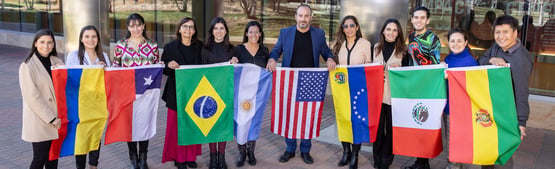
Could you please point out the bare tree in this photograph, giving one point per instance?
(29, 5)
(249, 7)
(183, 7)
(275, 4)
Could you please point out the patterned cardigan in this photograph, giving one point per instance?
(126, 56)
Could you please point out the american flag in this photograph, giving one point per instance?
(298, 99)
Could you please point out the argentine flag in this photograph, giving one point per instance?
(252, 89)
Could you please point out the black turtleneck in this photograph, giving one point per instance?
(45, 62)
(388, 48)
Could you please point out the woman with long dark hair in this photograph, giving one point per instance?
(252, 50)
(136, 50)
(350, 48)
(89, 53)
(185, 50)
(217, 49)
(390, 51)
(40, 116)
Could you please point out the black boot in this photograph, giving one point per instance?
(221, 160)
(142, 161)
(354, 157)
(134, 160)
(346, 154)
(180, 165)
(242, 155)
(213, 161)
(250, 152)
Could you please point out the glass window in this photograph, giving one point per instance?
(10, 15)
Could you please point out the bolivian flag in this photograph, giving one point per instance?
(204, 103)
(484, 125)
(81, 102)
(357, 96)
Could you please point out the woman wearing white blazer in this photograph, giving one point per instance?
(390, 51)
(40, 122)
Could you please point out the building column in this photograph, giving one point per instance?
(77, 14)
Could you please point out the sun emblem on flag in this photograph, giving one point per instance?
(484, 118)
(339, 77)
(420, 113)
(205, 106)
(246, 105)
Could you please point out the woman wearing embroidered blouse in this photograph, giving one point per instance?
(40, 116)
(251, 51)
(390, 51)
(350, 49)
(88, 54)
(185, 50)
(217, 50)
(136, 50)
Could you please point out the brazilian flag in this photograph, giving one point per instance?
(204, 104)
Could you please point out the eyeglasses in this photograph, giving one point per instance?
(349, 25)
(188, 27)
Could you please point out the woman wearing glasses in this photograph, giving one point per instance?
(185, 50)
(251, 51)
(350, 49)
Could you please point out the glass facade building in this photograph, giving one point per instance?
(536, 17)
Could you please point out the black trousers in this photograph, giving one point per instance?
(383, 147)
(143, 147)
(40, 156)
(81, 160)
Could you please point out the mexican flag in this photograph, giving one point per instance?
(484, 125)
(418, 97)
(204, 104)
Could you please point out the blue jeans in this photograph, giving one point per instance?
(306, 144)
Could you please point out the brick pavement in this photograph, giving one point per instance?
(537, 150)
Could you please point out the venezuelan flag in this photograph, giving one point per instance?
(81, 102)
(484, 126)
(357, 95)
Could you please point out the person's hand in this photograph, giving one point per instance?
(101, 63)
(160, 62)
(57, 123)
(522, 132)
(331, 64)
(173, 64)
(395, 65)
(234, 60)
(271, 66)
(497, 61)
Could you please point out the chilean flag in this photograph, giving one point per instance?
(132, 95)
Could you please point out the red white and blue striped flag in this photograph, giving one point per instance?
(298, 99)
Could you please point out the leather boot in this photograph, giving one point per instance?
(354, 157)
(213, 160)
(250, 152)
(346, 154)
(142, 161)
(242, 155)
(221, 160)
(134, 160)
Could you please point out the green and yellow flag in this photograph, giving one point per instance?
(204, 103)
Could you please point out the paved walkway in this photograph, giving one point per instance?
(536, 152)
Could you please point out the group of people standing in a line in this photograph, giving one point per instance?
(300, 45)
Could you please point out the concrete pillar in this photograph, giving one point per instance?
(77, 14)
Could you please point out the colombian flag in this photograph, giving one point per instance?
(484, 125)
(204, 103)
(357, 96)
(81, 102)
(133, 95)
